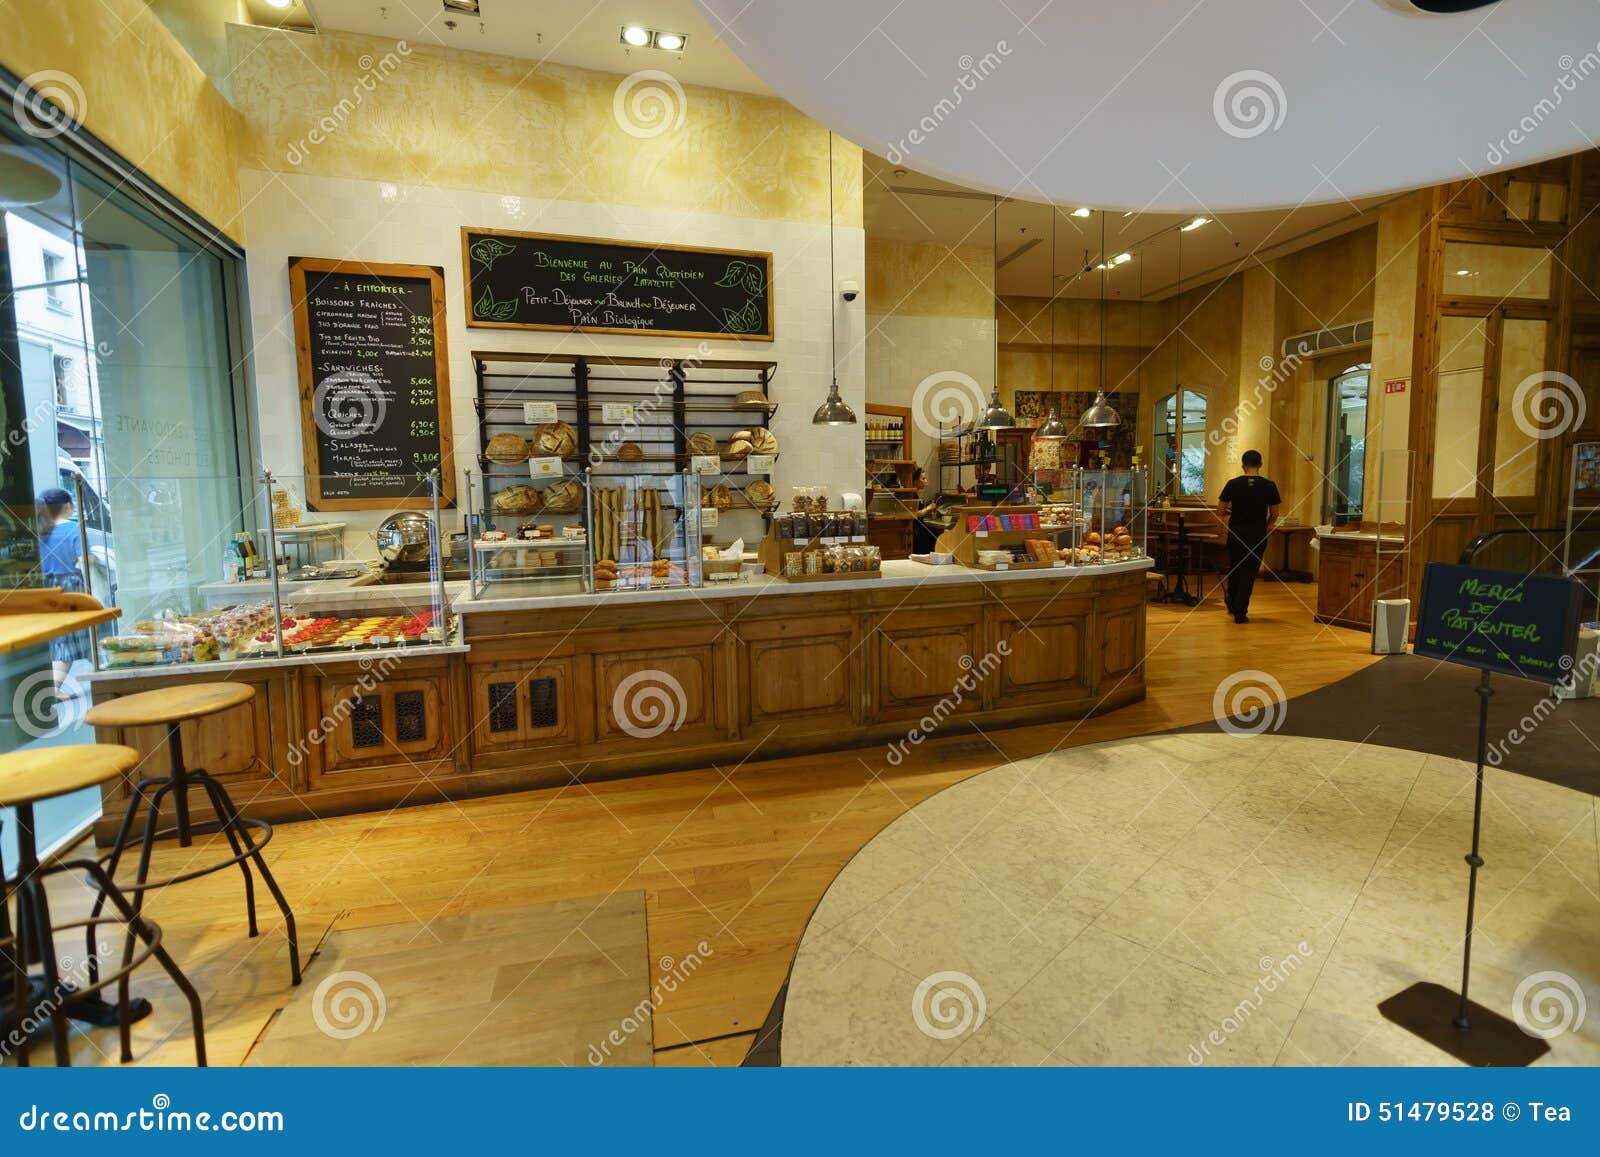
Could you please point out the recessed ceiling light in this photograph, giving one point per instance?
(1463, 273)
(669, 41)
(1081, 212)
(1195, 224)
(280, 3)
(634, 35)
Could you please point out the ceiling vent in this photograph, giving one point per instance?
(1328, 341)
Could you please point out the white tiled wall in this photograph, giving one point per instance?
(294, 215)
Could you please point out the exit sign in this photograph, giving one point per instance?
(1396, 385)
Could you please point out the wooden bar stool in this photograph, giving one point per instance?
(26, 777)
(169, 707)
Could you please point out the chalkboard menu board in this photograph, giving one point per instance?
(1499, 620)
(541, 281)
(374, 383)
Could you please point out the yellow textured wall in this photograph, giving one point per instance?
(414, 114)
(141, 93)
(201, 26)
(930, 279)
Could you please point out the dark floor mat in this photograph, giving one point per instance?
(1423, 705)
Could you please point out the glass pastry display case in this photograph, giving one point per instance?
(253, 599)
(526, 535)
(645, 531)
(1107, 519)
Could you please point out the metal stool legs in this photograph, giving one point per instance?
(235, 828)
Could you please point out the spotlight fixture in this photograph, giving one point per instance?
(637, 36)
(280, 4)
(1081, 212)
(1195, 224)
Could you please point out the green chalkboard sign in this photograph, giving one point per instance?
(543, 281)
(1499, 620)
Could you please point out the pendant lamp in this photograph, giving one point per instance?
(995, 416)
(834, 411)
(1052, 429)
(1101, 415)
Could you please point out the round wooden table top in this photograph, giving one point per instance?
(46, 772)
(169, 704)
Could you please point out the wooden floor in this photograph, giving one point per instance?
(732, 860)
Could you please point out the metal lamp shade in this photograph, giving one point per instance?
(834, 411)
(996, 417)
(1052, 429)
(1100, 415)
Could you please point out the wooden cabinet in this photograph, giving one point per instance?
(364, 728)
(891, 534)
(1351, 575)
(521, 704)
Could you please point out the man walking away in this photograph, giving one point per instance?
(1250, 504)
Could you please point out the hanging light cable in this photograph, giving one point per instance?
(1101, 415)
(834, 411)
(996, 416)
(1052, 429)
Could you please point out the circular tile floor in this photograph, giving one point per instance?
(1199, 899)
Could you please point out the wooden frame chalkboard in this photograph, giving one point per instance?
(309, 277)
(510, 257)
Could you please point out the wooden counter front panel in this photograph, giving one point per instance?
(800, 674)
(660, 696)
(920, 660)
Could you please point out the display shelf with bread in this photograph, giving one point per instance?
(527, 531)
(629, 416)
(645, 532)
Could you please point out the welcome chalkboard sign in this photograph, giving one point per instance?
(1499, 620)
(544, 281)
(374, 383)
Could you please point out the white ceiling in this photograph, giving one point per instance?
(1183, 105)
(581, 33)
(903, 205)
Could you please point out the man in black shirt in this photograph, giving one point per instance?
(1250, 504)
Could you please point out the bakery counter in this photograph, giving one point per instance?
(537, 690)
(895, 574)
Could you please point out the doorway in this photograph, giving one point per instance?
(1344, 483)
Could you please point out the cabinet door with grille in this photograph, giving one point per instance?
(521, 705)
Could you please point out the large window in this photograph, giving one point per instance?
(1180, 445)
(1345, 487)
(120, 358)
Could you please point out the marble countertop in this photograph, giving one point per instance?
(896, 573)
